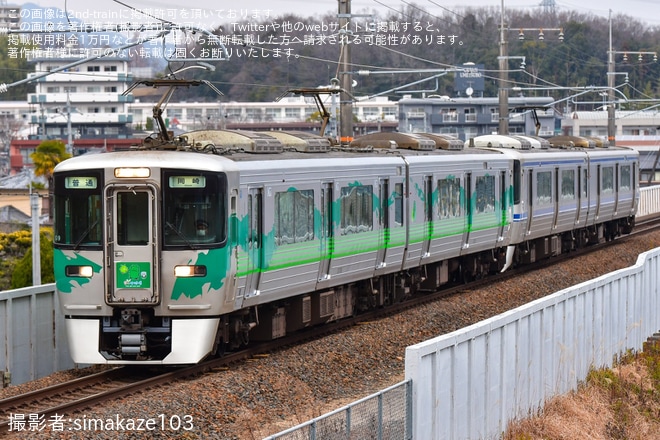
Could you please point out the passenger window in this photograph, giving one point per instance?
(625, 178)
(544, 188)
(608, 180)
(485, 188)
(449, 192)
(294, 216)
(398, 204)
(356, 209)
(568, 185)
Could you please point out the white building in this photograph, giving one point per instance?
(627, 122)
(87, 96)
(188, 116)
(10, 15)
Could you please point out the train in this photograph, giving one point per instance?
(190, 246)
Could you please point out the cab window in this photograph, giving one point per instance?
(77, 209)
(194, 208)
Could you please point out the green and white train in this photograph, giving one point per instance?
(177, 250)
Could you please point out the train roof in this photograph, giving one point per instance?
(143, 158)
(217, 149)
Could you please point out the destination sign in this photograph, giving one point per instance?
(187, 182)
(80, 182)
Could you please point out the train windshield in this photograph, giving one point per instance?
(194, 208)
(77, 210)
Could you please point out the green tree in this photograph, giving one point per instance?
(45, 158)
(48, 154)
(14, 67)
(22, 275)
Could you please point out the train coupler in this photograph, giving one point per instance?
(132, 343)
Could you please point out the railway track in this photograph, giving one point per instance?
(70, 397)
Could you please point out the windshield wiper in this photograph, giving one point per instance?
(85, 234)
(181, 235)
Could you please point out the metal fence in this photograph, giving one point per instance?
(32, 335)
(383, 415)
(649, 201)
(470, 383)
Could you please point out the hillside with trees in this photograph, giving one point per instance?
(268, 57)
(263, 65)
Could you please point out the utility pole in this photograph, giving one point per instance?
(69, 144)
(503, 92)
(36, 242)
(611, 110)
(345, 95)
(611, 73)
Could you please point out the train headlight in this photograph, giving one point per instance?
(127, 173)
(79, 271)
(189, 271)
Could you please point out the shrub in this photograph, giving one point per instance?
(22, 274)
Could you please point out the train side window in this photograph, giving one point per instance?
(568, 185)
(608, 180)
(544, 188)
(449, 205)
(356, 209)
(294, 216)
(485, 191)
(625, 178)
(398, 204)
(517, 182)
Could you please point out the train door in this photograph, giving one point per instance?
(634, 185)
(428, 215)
(468, 209)
(556, 200)
(504, 205)
(578, 211)
(586, 195)
(599, 189)
(327, 230)
(530, 201)
(617, 187)
(132, 247)
(254, 241)
(383, 222)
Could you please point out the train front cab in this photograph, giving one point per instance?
(130, 274)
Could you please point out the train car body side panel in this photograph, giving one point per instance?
(450, 215)
(337, 237)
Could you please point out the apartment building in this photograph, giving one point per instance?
(469, 117)
(74, 101)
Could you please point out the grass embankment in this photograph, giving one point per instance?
(618, 403)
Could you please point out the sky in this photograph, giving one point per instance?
(647, 11)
